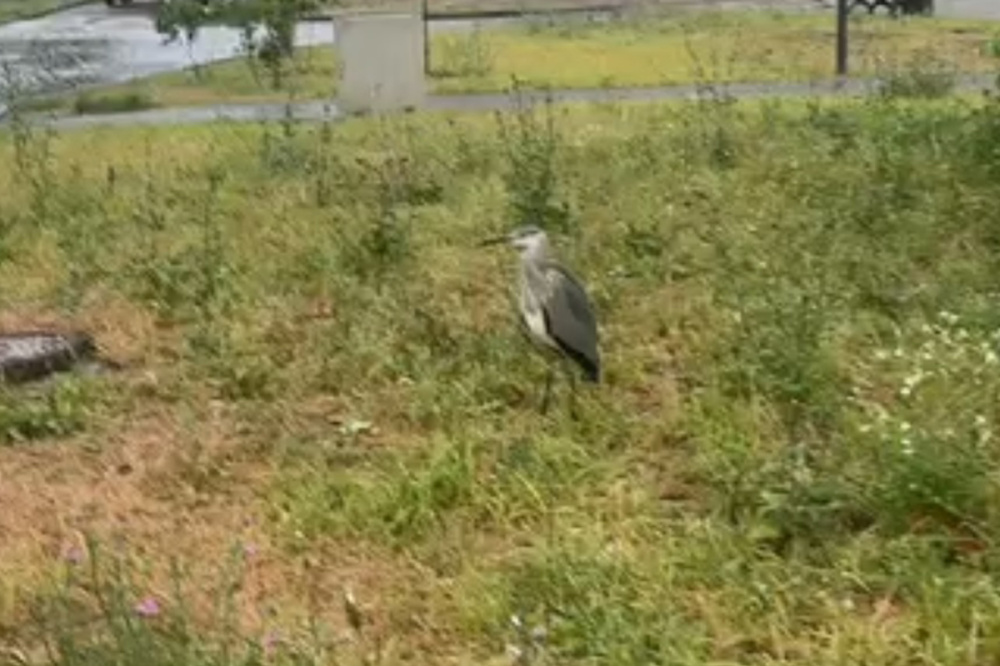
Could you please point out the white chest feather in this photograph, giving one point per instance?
(534, 318)
(536, 326)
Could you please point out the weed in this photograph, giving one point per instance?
(59, 409)
(33, 162)
(532, 149)
(101, 608)
(112, 102)
(463, 56)
(992, 47)
(923, 76)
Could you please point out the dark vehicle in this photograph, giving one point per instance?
(122, 3)
(897, 6)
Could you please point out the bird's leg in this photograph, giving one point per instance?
(572, 391)
(548, 389)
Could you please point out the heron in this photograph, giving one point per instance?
(556, 312)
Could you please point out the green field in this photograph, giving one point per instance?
(13, 10)
(685, 48)
(791, 459)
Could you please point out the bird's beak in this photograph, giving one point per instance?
(493, 241)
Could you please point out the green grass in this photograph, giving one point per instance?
(13, 10)
(706, 47)
(112, 102)
(792, 460)
(711, 47)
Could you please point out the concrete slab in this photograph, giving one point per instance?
(972, 9)
(382, 60)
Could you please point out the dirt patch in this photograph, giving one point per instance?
(156, 492)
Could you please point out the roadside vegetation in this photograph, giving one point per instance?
(13, 10)
(324, 445)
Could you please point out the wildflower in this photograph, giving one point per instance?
(515, 653)
(148, 607)
(250, 550)
(910, 382)
(270, 642)
(948, 317)
(73, 555)
(353, 612)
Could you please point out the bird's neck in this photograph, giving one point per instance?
(535, 254)
(533, 282)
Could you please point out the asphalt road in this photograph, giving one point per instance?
(324, 110)
(971, 9)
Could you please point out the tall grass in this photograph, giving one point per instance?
(792, 460)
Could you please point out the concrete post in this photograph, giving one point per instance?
(382, 62)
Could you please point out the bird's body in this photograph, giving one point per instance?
(554, 306)
(557, 313)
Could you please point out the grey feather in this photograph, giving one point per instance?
(570, 319)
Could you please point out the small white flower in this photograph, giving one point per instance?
(949, 317)
(910, 382)
(980, 421)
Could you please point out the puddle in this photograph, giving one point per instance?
(98, 44)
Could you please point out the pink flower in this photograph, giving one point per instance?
(73, 555)
(148, 607)
(270, 643)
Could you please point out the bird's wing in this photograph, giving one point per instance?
(570, 318)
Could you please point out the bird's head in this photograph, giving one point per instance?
(528, 240)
